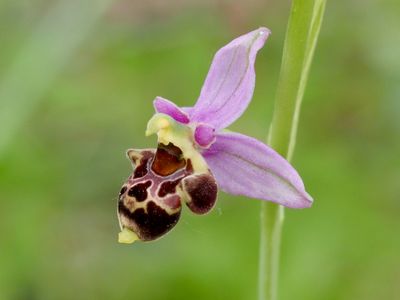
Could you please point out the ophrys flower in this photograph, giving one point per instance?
(195, 155)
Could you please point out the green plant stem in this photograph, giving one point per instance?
(300, 41)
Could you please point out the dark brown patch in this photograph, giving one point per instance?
(139, 191)
(168, 160)
(168, 187)
(141, 169)
(122, 209)
(153, 224)
(123, 190)
(189, 167)
(202, 190)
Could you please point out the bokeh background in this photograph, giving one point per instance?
(77, 80)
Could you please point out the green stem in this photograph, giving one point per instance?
(301, 38)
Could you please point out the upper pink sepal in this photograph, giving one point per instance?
(229, 85)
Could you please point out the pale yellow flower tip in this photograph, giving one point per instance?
(157, 122)
(127, 236)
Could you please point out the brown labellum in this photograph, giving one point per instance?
(201, 192)
(150, 200)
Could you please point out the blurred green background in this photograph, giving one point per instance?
(77, 80)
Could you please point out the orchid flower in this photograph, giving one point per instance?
(196, 156)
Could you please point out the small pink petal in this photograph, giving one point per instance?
(167, 107)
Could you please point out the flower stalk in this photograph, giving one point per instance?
(300, 41)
